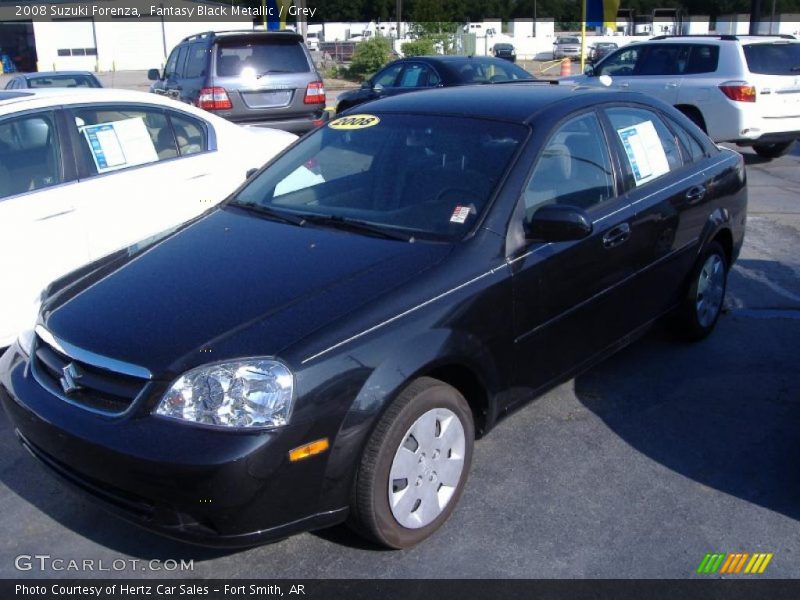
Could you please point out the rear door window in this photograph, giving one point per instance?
(776, 58)
(649, 146)
(118, 137)
(260, 57)
(196, 61)
(700, 58)
(692, 150)
(29, 154)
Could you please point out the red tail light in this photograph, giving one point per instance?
(214, 98)
(739, 91)
(315, 93)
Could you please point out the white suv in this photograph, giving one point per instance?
(743, 89)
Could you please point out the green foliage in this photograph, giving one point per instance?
(420, 47)
(370, 56)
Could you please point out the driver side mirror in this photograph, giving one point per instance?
(558, 223)
(154, 75)
(377, 88)
(589, 71)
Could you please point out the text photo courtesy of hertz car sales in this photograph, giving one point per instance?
(315, 299)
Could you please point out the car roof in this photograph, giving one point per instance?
(513, 102)
(705, 38)
(18, 100)
(55, 74)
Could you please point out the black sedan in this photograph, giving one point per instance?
(422, 72)
(600, 50)
(53, 79)
(505, 51)
(328, 343)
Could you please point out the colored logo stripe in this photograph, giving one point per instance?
(734, 563)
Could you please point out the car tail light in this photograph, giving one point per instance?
(214, 98)
(739, 91)
(315, 93)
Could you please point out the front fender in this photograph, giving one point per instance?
(415, 357)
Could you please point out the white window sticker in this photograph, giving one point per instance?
(460, 214)
(120, 144)
(645, 153)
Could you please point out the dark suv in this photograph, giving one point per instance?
(248, 77)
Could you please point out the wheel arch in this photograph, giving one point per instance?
(694, 114)
(456, 358)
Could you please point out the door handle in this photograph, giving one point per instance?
(624, 85)
(696, 194)
(617, 236)
(671, 84)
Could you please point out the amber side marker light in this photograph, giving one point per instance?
(307, 450)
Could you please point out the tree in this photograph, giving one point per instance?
(370, 56)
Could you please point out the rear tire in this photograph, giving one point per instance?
(774, 150)
(702, 305)
(415, 465)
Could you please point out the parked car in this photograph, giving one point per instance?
(313, 39)
(53, 79)
(327, 343)
(249, 77)
(742, 89)
(421, 72)
(600, 50)
(86, 172)
(505, 51)
(567, 47)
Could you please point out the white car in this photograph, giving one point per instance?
(85, 172)
(743, 89)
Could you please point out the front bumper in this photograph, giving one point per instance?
(201, 485)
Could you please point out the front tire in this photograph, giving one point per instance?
(702, 305)
(415, 465)
(774, 150)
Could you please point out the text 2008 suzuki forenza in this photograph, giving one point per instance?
(327, 344)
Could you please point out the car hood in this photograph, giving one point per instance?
(183, 300)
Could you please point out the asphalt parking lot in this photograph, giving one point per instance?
(636, 468)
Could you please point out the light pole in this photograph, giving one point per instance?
(399, 17)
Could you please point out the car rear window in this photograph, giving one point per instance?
(264, 57)
(60, 81)
(778, 58)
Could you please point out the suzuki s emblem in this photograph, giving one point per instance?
(71, 376)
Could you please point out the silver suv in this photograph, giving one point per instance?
(248, 77)
(743, 89)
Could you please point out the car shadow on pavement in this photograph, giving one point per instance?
(724, 412)
(21, 474)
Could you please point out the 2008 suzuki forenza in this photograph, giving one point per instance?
(328, 343)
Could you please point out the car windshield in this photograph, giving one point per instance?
(779, 58)
(424, 176)
(59, 81)
(260, 57)
(568, 40)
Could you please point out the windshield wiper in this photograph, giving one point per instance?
(357, 226)
(270, 213)
(270, 71)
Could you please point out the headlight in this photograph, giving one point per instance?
(26, 338)
(246, 393)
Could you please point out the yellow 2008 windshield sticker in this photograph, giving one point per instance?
(354, 122)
